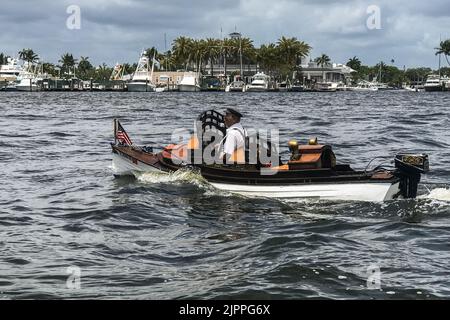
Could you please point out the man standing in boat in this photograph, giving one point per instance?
(234, 140)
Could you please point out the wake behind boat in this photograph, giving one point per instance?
(311, 171)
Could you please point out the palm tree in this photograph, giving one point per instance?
(380, 68)
(197, 53)
(28, 55)
(444, 48)
(354, 63)
(212, 51)
(291, 51)
(128, 68)
(49, 68)
(67, 61)
(151, 53)
(3, 59)
(181, 49)
(303, 50)
(167, 60)
(323, 60)
(227, 49)
(23, 54)
(84, 66)
(288, 50)
(103, 72)
(248, 49)
(268, 56)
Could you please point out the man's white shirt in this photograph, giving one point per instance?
(234, 139)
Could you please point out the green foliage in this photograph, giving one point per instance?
(68, 63)
(323, 60)
(354, 63)
(28, 55)
(50, 69)
(84, 68)
(445, 71)
(3, 59)
(281, 57)
(278, 59)
(444, 48)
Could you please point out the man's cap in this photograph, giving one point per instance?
(234, 112)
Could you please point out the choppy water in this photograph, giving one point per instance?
(160, 237)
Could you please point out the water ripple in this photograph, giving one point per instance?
(175, 237)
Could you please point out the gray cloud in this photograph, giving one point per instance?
(116, 30)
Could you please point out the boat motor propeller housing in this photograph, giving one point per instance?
(409, 168)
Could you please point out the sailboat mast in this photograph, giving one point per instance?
(440, 40)
(165, 52)
(379, 73)
(439, 66)
(153, 66)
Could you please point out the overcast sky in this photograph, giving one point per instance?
(117, 30)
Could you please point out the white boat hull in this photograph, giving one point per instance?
(434, 88)
(340, 191)
(188, 88)
(140, 87)
(256, 89)
(122, 166)
(326, 90)
(375, 192)
(27, 88)
(361, 89)
(234, 89)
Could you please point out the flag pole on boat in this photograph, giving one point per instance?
(115, 131)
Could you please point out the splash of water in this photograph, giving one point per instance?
(179, 176)
(182, 176)
(442, 194)
(164, 177)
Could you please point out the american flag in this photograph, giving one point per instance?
(122, 135)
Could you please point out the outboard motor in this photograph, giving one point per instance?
(409, 168)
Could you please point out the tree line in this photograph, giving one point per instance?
(278, 59)
(394, 76)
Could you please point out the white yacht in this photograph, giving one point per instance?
(297, 87)
(326, 86)
(364, 86)
(342, 86)
(410, 88)
(141, 81)
(382, 86)
(27, 84)
(234, 86)
(260, 82)
(10, 71)
(30, 78)
(8, 86)
(190, 82)
(436, 83)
